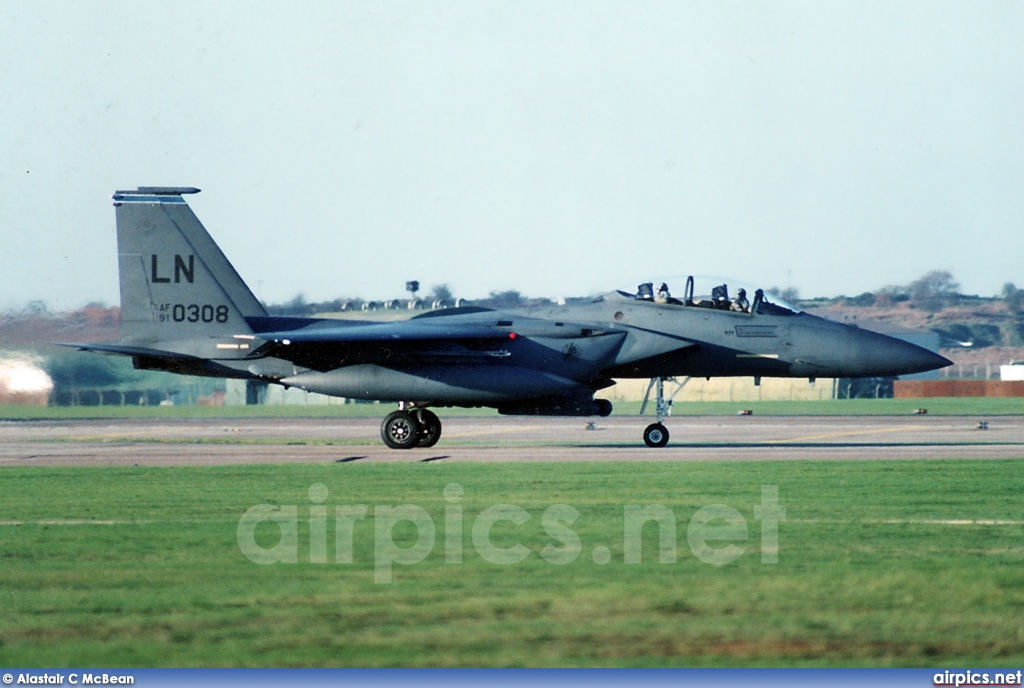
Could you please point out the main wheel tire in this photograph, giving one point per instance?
(656, 435)
(430, 429)
(604, 407)
(400, 430)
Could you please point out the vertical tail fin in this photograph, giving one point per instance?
(175, 281)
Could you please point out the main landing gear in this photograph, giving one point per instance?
(408, 428)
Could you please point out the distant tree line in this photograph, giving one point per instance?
(440, 296)
(931, 292)
(937, 290)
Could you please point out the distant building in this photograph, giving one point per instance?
(726, 389)
(1013, 372)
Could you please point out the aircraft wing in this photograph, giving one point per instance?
(325, 346)
(403, 330)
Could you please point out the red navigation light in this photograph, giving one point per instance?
(511, 335)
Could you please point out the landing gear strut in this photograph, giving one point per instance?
(656, 434)
(410, 427)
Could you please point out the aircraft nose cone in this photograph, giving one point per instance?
(938, 361)
(841, 350)
(920, 360)
(889, 356)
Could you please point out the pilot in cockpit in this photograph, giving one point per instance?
(720, 297)
(740, 303)
(663, 294)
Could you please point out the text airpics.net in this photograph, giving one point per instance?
(958, 678)
(716, 523)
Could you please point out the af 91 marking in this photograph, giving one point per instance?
(194, 312)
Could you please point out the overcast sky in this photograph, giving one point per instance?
(551, 147)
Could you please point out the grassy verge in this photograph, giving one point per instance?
(879, 564)
(831, 407)
(940, 406)
(15, 412)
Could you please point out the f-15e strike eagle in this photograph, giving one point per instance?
(185, 310)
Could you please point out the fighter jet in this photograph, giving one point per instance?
(185, 310)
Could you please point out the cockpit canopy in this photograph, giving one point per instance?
(713, 293)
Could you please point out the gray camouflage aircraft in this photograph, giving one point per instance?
(185, 310)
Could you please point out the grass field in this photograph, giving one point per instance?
(830, 407)
(910, 563)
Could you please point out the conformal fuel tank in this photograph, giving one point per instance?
(464, 384)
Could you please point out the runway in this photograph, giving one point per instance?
(169, 442)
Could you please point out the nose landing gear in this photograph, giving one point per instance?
(656, 434)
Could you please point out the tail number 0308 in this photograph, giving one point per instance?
(193, 312)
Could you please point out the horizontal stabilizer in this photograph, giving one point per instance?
(115, 349)
(157, 191)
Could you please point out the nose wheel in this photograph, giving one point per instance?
(656, 435)
(405, 429)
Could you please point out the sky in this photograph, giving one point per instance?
(556, 148)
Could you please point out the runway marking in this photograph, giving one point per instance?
(852, 433)
(127, 436)
(954, 522)
(67, 522)
(812, 521)
(107, 522)
(494, 431)
(912, 521)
